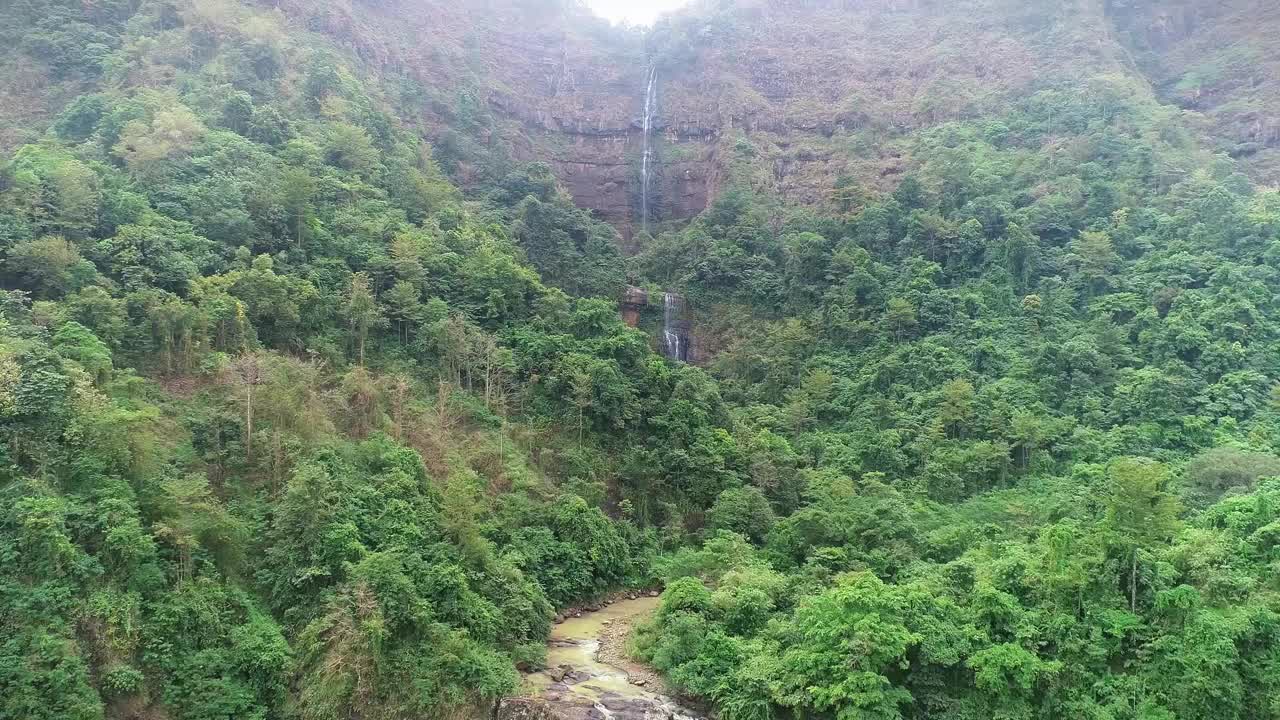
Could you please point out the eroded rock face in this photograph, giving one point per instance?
(546, 81)
(633, 302)
(1238, 104)
(778, 86)
(786, 95)
(597, 155)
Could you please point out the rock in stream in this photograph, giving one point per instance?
(577, 685)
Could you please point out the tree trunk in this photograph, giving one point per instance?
(1133, 583)
(248, 420)
(398, 393)
(277, 458)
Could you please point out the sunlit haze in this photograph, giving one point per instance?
(634, 12)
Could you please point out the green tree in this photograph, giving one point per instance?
(900, 316)
(742, 510)
(1140, 513)
(147, 146)
(296, 190)
(156, 252)
(956, 411)
(361, 311)
(51, 266)
(842, 647)
(1225, 469)
(76, 342)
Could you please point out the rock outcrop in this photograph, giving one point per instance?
(1217, 60)
(634, 301)
(610, 707)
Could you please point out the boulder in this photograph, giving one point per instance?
(524, 709)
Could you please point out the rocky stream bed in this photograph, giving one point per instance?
(589, 676)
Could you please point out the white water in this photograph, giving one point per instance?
(575, 643)
(672, 342)
(647, 151)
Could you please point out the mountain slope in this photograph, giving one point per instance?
(819, 91)
(1216, 59)
(315, 401)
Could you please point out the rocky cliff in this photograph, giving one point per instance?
(796, 97)
(530, 80)
(791, 96)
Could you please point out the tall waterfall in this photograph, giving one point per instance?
(675, 328)
(647, 151)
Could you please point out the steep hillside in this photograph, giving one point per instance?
(229, 490)
(1218, 60)
(790, 97)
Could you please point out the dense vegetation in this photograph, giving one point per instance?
(1027, 402)
(294, 427)
(280, 410)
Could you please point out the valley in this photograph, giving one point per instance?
(376, 359)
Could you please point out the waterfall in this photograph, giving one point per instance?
(647, 150)
(675, 328)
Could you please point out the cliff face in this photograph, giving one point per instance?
(529, 81)
(803, 92)
(788, 96)
(785, 95)
(794, 97)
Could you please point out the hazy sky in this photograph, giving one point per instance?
(636, 12)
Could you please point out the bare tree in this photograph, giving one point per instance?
(399, 395)
(247, 371)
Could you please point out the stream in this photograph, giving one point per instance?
(577, 685)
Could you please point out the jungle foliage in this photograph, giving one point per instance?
(293, 427)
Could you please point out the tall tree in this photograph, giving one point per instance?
(248, 371)
(1140, 513)
(361, 312)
